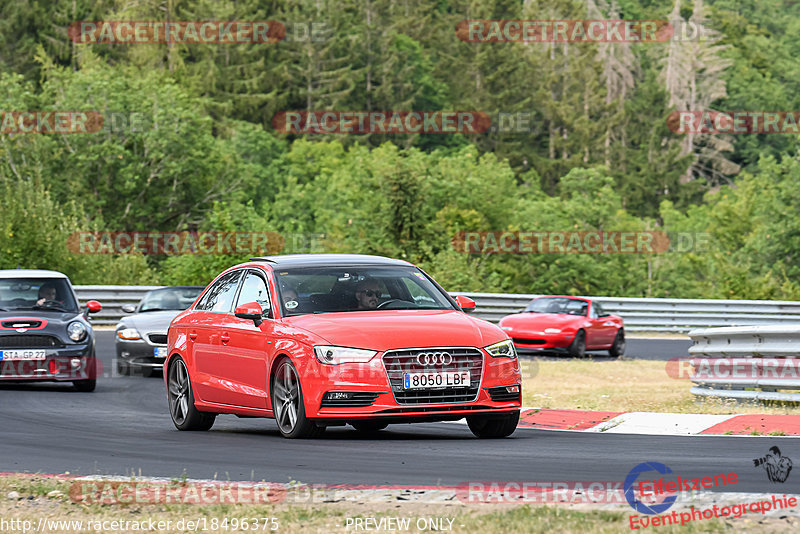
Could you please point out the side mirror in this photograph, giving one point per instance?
(466, 304)
(93, 306)
(128, 308)
(251, 311)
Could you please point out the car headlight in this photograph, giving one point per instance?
(504, 349)
(76, 331)
(128, 334)
(552, 330)
(330, 355)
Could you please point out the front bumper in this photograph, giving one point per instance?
(74, 362)
(349, 392)
(141, 352)
(539, 342)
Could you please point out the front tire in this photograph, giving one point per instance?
(288, 405)
(85, 386)
(88, 385)
(493, 426)
(122, 367)
(618, 347)
(181, 400)
(578, 347)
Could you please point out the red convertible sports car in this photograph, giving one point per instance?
(573, 325)
(329, 339)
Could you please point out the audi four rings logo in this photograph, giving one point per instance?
(427, 359)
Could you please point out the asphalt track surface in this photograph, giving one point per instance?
(124, 428)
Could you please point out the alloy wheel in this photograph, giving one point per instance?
(179, 392)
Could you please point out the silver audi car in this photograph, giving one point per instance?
(141, 338)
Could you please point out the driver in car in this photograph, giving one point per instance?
(46, 293)
(367, 294)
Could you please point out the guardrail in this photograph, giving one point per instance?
(750, 363)
(639, 314)
(112, 298)
(665, 315)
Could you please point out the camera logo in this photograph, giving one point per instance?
(776, 465)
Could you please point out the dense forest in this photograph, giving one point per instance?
(188, 142)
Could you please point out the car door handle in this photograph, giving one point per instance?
(192, 335)
(224, 338)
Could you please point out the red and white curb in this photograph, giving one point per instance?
(662, 424)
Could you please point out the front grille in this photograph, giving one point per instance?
(29, 341)
(399, 362)
(524, 341)
(22, 323)
(436, 409)
(158, 339)
(501, 394)
(353, 398)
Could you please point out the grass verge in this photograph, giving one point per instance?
(33, 499)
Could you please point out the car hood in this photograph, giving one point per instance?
(540, 321)
(155, 321)
(50, 323)
(38, 315)
(391, 329)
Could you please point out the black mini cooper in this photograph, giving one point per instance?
(43, 333)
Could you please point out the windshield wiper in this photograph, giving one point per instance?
(50, 308)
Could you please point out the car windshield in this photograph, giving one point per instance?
(357, 288)
(558, 305)
(48, 294)
(169, 298)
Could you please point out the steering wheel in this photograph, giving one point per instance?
(390, 301)
(49, 303)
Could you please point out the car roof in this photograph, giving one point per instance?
(318, 260)
(30, 273)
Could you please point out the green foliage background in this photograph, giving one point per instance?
(192, 147)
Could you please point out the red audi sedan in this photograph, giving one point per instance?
(333, 339)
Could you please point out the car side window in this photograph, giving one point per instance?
(254, 289)
(596, 311)
(220, 297)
